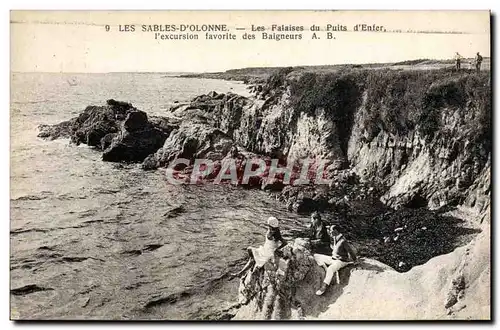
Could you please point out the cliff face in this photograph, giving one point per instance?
(426, 136)
(436, 162)
(410, 138)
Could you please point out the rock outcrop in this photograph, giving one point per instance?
(121, 131)
(451, 286)
(425, 139)
(411, 140)
(271, 291)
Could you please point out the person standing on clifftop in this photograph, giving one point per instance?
(458, 59)
(342, 255)
(259, 256)
(478, 60)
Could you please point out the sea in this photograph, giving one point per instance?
(98, 240)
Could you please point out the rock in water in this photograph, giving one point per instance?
(134, 146)
(135, 120)
(150, 163)
(123, 132)
(61, 130)
(106, 140)
(93, 124)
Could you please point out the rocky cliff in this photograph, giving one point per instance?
(408, 139)
(423, 136)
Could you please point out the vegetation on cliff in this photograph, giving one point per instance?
(413, 140)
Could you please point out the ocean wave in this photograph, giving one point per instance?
(41, 196)
(31, 102)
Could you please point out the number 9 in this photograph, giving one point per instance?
(107, 28)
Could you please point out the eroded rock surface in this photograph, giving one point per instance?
(451, 286)
(123, 132)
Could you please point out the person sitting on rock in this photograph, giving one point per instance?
(318, 235)
(234, 152)
(342, 255)
(259, 256)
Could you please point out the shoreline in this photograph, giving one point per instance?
(388, 212)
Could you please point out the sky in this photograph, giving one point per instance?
(77, 41)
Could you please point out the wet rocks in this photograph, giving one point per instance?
(93, 124)
(121, 131)
(135, 120)
(150, 163)
(61, 130)
(336, 197)
(194, 140)
(107, 140)
(134, 146)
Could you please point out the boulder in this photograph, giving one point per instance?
(135, 120)
(107, 140)
(150, 163)
(134, 146)
(120, 108)
(194, 140)
(93, 124)
(285, 287)
(123, 132)
(97, 132)
(167, 125)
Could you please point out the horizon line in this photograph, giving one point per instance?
(246, 68)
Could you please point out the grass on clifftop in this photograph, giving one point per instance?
(397, 101)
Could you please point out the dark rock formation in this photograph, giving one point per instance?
(107, 140)
(424, 139)
(93, 124)
(135, 120)
(134, 146)
(121, 131)
(61, 130)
